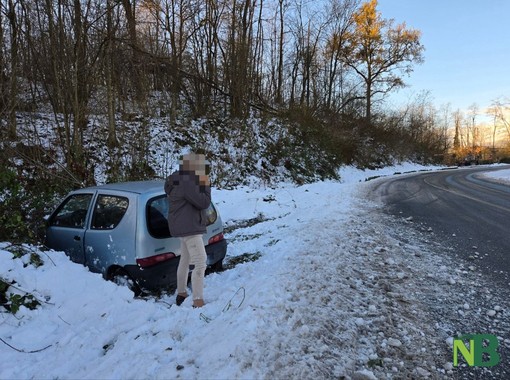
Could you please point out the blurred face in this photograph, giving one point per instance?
(196, 163)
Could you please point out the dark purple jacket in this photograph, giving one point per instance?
(187, 200)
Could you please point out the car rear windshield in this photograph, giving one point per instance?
(157, 222)
(157, 213)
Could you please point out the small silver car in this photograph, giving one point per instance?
(121, 231)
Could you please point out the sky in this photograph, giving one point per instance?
(467, 49)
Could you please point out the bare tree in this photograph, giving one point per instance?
(206, 53)
(11, 9)
(458, 139)
(3, 65)
(65, 61)
(178, 27)
(445, 116)
(472, 128)
(501, 111)
(109, 74)
(337, 90)
(308, 31)
(238, 59)
(136, 58)
(282, 6)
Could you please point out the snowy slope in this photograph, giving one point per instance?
(334, 288)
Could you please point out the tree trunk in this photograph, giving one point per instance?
(13, 82)
(136, 59)
(279, 83)
(80, 93)
(368, 109)
(3, 77)
(110, 91)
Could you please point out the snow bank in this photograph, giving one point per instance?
(333, 288)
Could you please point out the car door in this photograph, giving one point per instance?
(110, 239)
(66, 226)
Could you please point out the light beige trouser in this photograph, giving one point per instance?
(192, 253)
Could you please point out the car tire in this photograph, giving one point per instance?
(121, 277)
(217, 266)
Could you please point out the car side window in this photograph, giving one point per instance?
(73, 212)
(108, 212)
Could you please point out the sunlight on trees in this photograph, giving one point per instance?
(108, 68)
(378, 52)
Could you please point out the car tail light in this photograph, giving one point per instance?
(211, 214)
(153, 260)
(216, 238)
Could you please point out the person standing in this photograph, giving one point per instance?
(189, 195)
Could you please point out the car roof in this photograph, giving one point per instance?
(139, 187)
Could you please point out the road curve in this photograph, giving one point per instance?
(462, 208)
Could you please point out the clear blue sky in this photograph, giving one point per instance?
(467, 49)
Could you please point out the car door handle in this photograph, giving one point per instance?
(77, 238)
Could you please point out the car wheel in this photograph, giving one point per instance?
(217, 266)
(121, 277)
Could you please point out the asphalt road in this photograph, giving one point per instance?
(460, 207)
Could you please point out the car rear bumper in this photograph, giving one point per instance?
(216, 252)
(156, 277)
(164, 275)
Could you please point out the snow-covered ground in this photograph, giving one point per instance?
(331, 287)
(500, 176)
